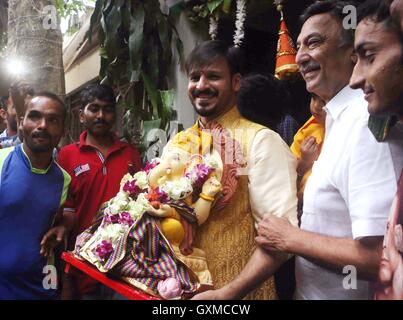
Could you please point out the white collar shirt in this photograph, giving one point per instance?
(348, 194)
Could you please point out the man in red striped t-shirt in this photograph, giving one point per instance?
(96, 163)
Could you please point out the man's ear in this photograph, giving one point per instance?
(3, 114)
(80, 115)
(20, 128)
(236, 82)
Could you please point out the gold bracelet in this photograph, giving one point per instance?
(206, 197)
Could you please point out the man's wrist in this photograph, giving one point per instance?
(292, 240)
(231, 291)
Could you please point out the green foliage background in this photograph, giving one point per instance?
(137, 44)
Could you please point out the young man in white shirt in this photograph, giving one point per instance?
(379, 72)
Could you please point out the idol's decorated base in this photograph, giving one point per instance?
(144, 235)
(115, 284)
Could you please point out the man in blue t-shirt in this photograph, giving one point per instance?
(32, 189)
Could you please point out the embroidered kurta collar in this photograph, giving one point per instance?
(228, 117)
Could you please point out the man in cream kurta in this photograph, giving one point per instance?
(265, 183)
(271, 175)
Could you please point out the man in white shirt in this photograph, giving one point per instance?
(379, 72)
(350, 190)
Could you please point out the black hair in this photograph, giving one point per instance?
(54, 97)
(208, 51)
(335, 8)
(378, 11)
(3, 102)
(97, 91)
(262, 99)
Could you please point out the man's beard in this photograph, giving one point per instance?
(204, 112)
(91, 127)
(38, 148)
(200, 110)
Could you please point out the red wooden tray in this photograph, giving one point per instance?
(119, 286)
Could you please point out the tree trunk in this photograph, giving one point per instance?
(34, 37)
(3, 16)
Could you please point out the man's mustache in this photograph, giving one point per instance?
(100, 122)
(309, 67)
(212, 93)
(41, 134)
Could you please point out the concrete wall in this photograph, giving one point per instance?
(83, 71)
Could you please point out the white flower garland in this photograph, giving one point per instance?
(213, 28)
(178, 189)
(239, 22)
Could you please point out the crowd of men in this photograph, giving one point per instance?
(348, 174)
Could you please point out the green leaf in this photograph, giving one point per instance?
(179, 48)
(113, 70)
(226, 7)
(152, 7)
(102, 53)
(204, 13)
(136, 44)
(165, 36)
(167, 98)
(112, 21)
(153, 56)
(102, 22)
(151, 124)
(126, 13)
(148, 126)
(136, 39)
(134, 75)
(68, 7)
(104, 67)
(213, 4)
(154, 95)
(95, 17)
(133, 127)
